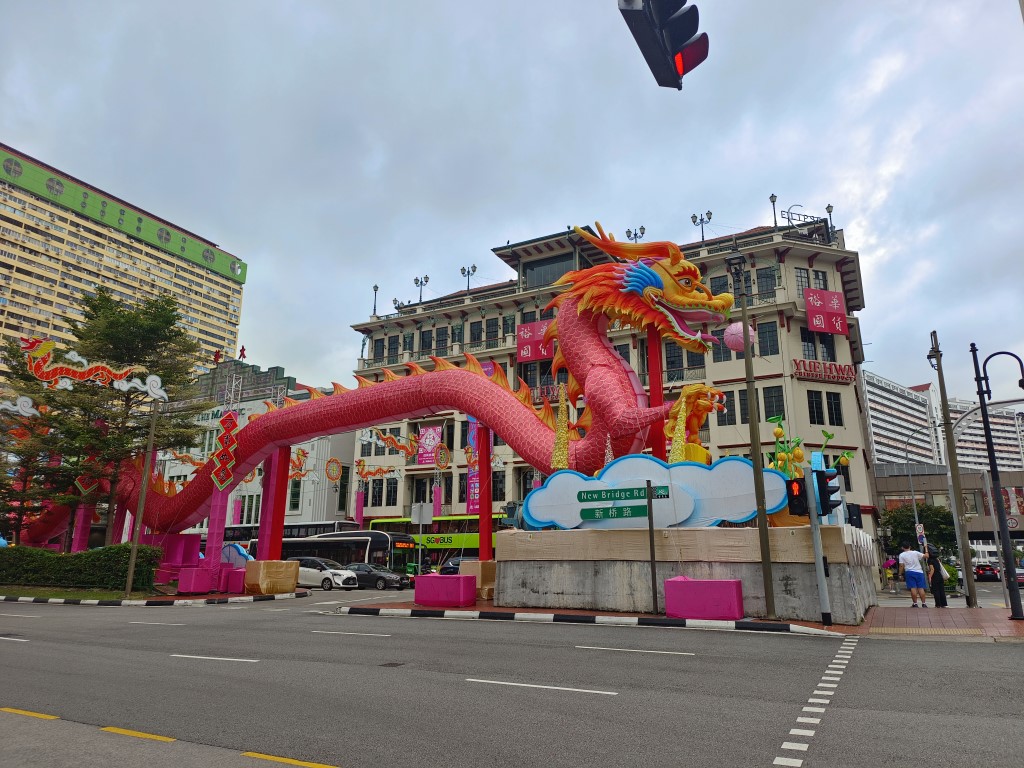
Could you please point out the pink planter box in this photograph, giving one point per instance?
(439, 591)
(687, 598)
(232, 580)
(194, 581)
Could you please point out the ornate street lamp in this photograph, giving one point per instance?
(419, 282)
(468, 272)
(702, 221)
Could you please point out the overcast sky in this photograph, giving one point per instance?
(336, 144)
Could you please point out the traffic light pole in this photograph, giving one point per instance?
(819, 563)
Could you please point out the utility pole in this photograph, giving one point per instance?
(824, 601)
(137, 522)
(956, 504)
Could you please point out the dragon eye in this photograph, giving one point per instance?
(686, 282)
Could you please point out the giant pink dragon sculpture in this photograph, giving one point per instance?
(648, 284)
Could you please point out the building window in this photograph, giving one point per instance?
(827, 342)
(546, 271)
(766, 280)
(407, 341)
(768, 338)
(294, 494)
(719, 284)
(492, 332)
(809, 349)
(476, 331)
(673, 362)
(695, 359)
(528, 373)
(835, 408)
(365, 448)
(744, 411)
(343, 486)
(821, 280)
(844, 472)
(376, 492)
(464, 435)
(448, 490)
(426, 342)
(378, 348)
(719, 352)
(803, 280)
(391, 497)
(529, 316)
(547, 314)
(727, 417)
(773, 405)
(441, 342)
(392, 349)
(508, 325)
(379, 449)
(815, 409)
(462, 488)
(395, 432)
(498, 485)
(457, 331)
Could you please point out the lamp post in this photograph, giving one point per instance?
(468, 272)
(831, 229)
(635, 235)
(702, 221)
(735, 263)
(953, 476)
(910, 476)
(375, 289)
(419, 282)
(985, 392)
(398, 304)
(772, 198)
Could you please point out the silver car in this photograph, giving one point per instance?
(327, 574)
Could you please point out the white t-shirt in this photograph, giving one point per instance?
(911, 560)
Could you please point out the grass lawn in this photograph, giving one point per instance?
(68, 593)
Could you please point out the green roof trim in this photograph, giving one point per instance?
(60, 189)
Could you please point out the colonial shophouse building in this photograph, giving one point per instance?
(805, 366)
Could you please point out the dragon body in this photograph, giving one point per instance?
(39, 356)
(647, 284)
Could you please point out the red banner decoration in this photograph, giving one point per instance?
(826, 311)
(430, 438)
(224, 457)
(530, 342)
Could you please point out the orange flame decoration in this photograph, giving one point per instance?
(39, 355)
(391, 441)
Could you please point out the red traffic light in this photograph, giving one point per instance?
(695, 52)
(795, 488)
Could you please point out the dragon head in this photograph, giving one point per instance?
(654, 285)
(36, 347)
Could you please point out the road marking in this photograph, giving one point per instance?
(211, 658)
(812, 709)
(20, 615)
(360, 634)
(15, 639)
(819, 701)
(832, 679)
(835, 670)
(823, 693)
(271, 610)
(346, 602)
(157, 623)
(827, 685)
(800, 732)
(811, 720)
(286, 760)
(795, 746)
(25, 712)
(546, 687)
(137, 734)
(633, 650)
(788, 761)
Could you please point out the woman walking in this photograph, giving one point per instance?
(936, 578)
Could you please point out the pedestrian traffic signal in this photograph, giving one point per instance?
(666, 33)
(796, 494)
(829, 493)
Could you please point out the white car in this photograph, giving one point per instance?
(327, 574)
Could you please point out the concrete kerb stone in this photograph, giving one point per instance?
(184, 602)
(568, 618)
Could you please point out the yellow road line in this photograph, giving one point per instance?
(40, 715)
(287, 760)
(137, 734)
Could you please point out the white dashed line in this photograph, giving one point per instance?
(796, 746)
(800, 732)
(157, 623)
(819, 701)
(827, 685)
(15, 639)
(788, 761)
(633, 650)
(20, 615)
(360, 634)
(211, 658)
(809, 720)
(545, 687)
(812, 709)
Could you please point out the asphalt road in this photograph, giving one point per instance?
(285, 680)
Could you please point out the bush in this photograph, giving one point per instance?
(104, 568)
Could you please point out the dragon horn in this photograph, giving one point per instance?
(660, 249)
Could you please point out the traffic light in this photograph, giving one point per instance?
(666, 32)
(796, 494)
(829, 496)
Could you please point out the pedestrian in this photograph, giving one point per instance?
(913, 573)
(936, 578)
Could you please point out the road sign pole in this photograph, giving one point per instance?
(650, 532)
(819, 564)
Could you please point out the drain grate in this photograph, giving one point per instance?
(923, 631)
(392, 664)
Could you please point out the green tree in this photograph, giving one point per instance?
(937, 521)
(97, 428)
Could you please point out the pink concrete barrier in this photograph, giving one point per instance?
(194, 581)
(437, 591)
(687, 598)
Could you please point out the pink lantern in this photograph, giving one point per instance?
(734, 337)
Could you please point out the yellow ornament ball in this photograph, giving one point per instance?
(798, 454)
(844, 460)
(779, 432)
(781, 457)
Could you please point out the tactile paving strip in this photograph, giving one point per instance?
(923, 631)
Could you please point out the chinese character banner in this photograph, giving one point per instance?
(826, 311)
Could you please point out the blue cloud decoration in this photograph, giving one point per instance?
(689, 495)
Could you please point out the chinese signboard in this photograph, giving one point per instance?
(826, 311)
(815, 370)
(530, 342)
(430, 438)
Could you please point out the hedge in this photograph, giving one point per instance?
(104, 568)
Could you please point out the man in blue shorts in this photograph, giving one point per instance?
(913, 573)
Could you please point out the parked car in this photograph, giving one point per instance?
(1020, 575)
(327, 574)
(451, 567)
(378, 577)
(985, 572)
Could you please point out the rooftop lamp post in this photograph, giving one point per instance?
(419, 282)
(772, 199)
(375, 289)
(468, 272)
(702, 221)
